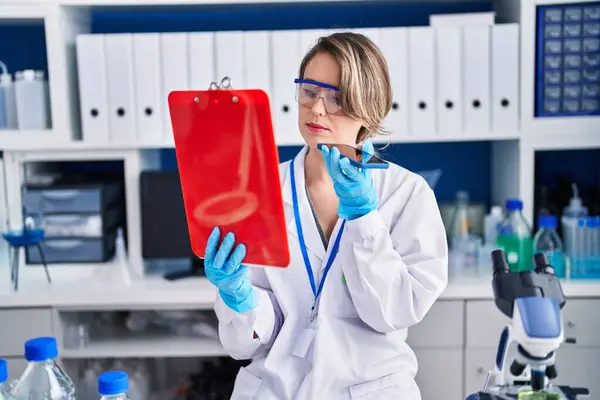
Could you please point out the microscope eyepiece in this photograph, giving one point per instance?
(499, 262)
(542, 265)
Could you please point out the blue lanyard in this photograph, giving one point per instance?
(334, 250)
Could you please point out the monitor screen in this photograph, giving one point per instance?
(164, 226)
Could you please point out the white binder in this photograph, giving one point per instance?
(286, 55)
(147, 78)
(93, 98)
(476, 79)
(201, 50)
(505, 78)
(448, 50)
(229, 47)
(421, 78)
(121, 87)
(175, 73)
(309, 38)
(257, 60)
(393, 43)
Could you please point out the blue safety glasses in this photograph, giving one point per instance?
(308, 92)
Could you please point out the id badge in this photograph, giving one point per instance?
(307, 336)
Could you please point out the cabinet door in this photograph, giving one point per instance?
(579, 367)
(441, 327)
(440, 373)
(581, 322)
(477, 364)
(20, 324)
(484, 324)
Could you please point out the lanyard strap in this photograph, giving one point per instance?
(334, 250)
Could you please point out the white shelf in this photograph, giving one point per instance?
(570, 140)
(43, 141)
(150, 3)
(456, 137)
(196, 294)
(26, 139)
(19, 11)
(165, 346)
(481, 288)
(148, 294)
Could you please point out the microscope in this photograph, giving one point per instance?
(533, 300)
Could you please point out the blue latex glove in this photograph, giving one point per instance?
(354, 187)
(225, 270)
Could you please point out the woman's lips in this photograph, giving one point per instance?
(316, 128)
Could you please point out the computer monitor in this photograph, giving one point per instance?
(164, 227)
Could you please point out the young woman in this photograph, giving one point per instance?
(368, 252)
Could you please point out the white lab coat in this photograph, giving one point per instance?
(395, 262)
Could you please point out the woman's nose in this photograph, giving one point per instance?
(318, 107)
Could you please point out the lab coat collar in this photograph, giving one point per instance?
(309, 227)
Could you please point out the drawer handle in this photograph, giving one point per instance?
(480, 371)
(570, 324)
(63, 244)
(60, 194)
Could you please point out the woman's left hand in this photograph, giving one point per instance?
(354, 187)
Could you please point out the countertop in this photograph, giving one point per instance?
(198, 293)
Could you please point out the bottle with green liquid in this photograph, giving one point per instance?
(514, 237)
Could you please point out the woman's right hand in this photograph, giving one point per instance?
(224, 269)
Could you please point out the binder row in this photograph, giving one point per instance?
(445, 80)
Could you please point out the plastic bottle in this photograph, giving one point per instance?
(113, 385)
(547, 241)
(573, 233)
(4, 388)
(514, 237)
(8, 105)
(43, 378)
(592, 248)
(460, 220)
(32, 99)
(88, 385)
(463, 246)
(491, 223)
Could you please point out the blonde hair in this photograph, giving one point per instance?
(366, 93)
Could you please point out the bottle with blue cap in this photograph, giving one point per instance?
(4, 386)
(547, 241)
(113, 385)
(514, 237)
(591, 265)
(43, 378)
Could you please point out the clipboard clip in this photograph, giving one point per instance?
(223, 85)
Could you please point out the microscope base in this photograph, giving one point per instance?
(558, 393)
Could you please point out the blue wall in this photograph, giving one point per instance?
(465, 165)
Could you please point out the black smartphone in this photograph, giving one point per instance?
(357, 156)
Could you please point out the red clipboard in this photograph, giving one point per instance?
(229, 171)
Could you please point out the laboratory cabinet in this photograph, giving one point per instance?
(477, 364)
(581, 322)
(455, 344)
(442, 326)
(576, 366)
(17, 324)
(579, 366)
(440, 374)
(484, 324)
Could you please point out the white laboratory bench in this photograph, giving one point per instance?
(455, 343)
(198, 293)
